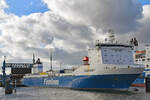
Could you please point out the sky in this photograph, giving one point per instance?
(26, 7)
(67, 27)
(145, 2)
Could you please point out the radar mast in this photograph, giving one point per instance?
(111, 36)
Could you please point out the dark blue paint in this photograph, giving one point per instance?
(4, 73)
(148, 75)
(121, 81)
(145, 2)
(146, 69)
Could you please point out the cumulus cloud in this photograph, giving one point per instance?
(38, 33)
(143, 33)
(3, 4)
(120, 15)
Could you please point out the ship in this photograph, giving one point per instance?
(109, 65)
(142, 57)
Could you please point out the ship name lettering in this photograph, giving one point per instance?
(51, 82)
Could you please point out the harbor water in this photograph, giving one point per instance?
(69, 94)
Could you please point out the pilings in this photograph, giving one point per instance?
(6, 80)
(147, 83)
(8, 86)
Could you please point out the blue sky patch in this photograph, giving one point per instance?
(145, 2)
(25, 7)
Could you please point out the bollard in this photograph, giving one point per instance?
(147, 83)
(15, 86)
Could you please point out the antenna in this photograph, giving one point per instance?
(51, 61)
(4, 57)
(33, 58)
(111, 36)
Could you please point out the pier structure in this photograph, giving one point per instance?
(18, 70)
(6, 81)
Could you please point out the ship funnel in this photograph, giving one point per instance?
(85, 60)
(134, 43)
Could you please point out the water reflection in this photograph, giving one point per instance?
(68, 94)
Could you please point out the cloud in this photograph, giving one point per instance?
(143, 33)
(119, 15)
(3, 4)
(37, 33)
(69, 28)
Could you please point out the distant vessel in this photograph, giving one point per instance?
(142, 57)
(109, 65)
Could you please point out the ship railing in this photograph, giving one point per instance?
(112, 66)
(49, 75)
(35, 76)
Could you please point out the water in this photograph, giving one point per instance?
(68, 94)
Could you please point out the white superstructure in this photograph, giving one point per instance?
(143, 57)
(110, 58)
(37, 67)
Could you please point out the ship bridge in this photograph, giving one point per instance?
(111, 52)
(112, 45)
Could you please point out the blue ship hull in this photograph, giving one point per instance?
(140, 81)
(122, 81)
